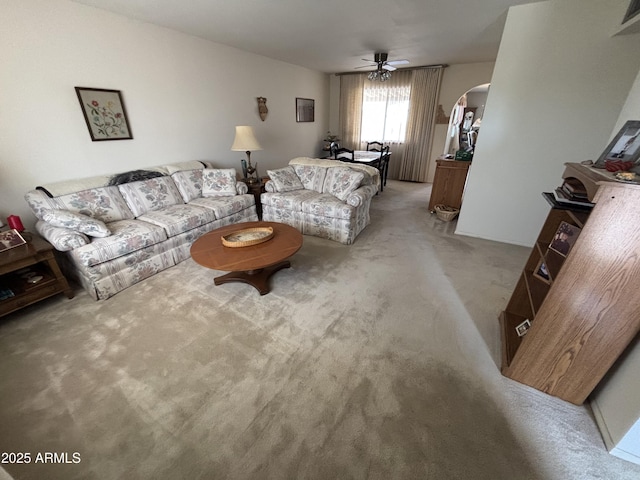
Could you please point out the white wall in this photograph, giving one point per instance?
(559, 84)
(183, 95)
(616, 402)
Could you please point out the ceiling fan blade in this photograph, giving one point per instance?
(389, 67)
(398, 62)
(367, 66)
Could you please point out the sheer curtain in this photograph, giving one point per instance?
(413, 163)
(351, 90)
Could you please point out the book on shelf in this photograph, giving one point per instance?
(574, 187)
(563, 198)
(574, 194)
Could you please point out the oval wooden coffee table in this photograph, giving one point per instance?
(253, 264)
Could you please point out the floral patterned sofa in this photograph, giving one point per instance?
(324, 198)
(116, 234)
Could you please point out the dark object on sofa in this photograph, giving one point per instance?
(133, 176)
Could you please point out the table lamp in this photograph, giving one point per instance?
(245, 141)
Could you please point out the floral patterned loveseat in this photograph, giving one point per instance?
(324, 198)
(118, 230)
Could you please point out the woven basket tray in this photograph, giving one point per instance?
(445, 212)
(247, 237)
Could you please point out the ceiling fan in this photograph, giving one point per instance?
(380, 61)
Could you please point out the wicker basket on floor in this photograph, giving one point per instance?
(445, 212)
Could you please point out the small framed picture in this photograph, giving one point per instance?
(564, 238)
(625, 146)
(541, 272)
(10, 239)
(104, 113)
(305, 110)
(523, 328)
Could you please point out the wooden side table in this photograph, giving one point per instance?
(35, 259)
(256, 189)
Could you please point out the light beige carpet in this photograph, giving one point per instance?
(371, 361)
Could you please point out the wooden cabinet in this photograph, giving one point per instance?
(448, 183)
(36, 258)
(586, 314)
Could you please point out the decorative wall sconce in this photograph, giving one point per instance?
(262, 108)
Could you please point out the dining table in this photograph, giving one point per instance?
(367, 157)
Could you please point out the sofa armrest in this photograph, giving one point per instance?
(62, 239)
(270, 187)
(359, 196)
(242, 188)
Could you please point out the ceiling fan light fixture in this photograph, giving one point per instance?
(382, 75)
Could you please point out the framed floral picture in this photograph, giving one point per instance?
(104, 113)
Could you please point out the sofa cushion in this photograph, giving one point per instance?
(224, 206)
(76, 221)
(288, 200)
(152, 194)
(62, 239)
(218, 182)
(341, 181)
(176, 219)
(127, 236)
(285, 179)
(311, 176)
(102, 203)
(327, 205)
(189, 183)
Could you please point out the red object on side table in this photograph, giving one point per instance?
(15, 222)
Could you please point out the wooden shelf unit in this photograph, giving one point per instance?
(584, 317)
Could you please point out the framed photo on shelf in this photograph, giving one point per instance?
(305, 110)
(541, 272)
(104, 114)
(564, 238)
(10, 239)
(624, 147)
(523, 328)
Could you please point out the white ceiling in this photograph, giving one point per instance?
(335, 35)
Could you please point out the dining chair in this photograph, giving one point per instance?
(344, 154)
(382, 163)
(384, 166)
(374, 146)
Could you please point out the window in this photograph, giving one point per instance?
(384, 113)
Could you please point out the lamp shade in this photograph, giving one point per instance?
(245, 140)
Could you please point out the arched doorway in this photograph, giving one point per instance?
(465, 120)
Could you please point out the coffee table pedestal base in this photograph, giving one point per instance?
(257, 278)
